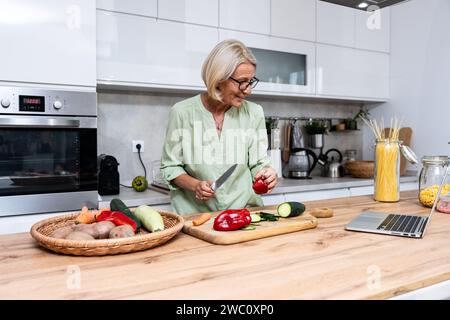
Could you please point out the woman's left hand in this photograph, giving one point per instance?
(270, 177)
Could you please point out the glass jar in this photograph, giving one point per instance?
(387, 170)
(349, 155)
(431, 175)
(443, 204)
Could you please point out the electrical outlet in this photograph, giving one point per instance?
(135, 143)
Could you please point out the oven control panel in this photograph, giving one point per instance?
(21, 100)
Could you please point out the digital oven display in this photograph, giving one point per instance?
(32, 103)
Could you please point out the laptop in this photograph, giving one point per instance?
(412, 226)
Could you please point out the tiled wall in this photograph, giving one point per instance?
(124, 116)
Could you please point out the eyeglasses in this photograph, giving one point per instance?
(243, 85)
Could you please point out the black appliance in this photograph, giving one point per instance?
(108, 176)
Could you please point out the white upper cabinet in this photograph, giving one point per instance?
(372, 30)
(294, 19)
(349, 27)
(147, 8)
(48, 42)
(347, 72)
(285, 66)
(335, 24)
(149, 52)
(249, 15)
(192, 11)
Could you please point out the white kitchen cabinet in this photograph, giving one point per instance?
(192, 11)
(48, 42)
(249, 15)
(147, 8)
(284, 65)
(149, 52)
(317, 195)
(272, 199)
(293, 19)
(347, 72)
(369, 190)
(335, 24)
(23, 223)
(372, 30)
(361, 191)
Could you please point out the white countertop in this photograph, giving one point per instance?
(151, 197)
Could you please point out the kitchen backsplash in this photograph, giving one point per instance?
(124, 116)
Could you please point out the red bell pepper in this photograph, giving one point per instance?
(260, 186)
(232, 219)
(116, 217)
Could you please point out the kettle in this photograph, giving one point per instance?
(300, 166)
(333, 168)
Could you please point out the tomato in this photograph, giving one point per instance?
(260, 186)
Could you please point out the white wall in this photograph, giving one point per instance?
(420, 75)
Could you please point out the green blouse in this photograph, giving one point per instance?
(193, 146)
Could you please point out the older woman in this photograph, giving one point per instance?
(210, 132)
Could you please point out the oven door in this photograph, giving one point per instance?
(47, 163)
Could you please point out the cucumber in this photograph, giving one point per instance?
(290, 209)
(248, 228)
(150, 218)
(118, 205)
(255, 217)
(265, 216)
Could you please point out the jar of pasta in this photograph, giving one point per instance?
(431, 175)
(387, 170)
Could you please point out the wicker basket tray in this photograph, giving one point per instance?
(360, 169)
(41, 230)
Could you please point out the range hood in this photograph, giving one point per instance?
(359, 4)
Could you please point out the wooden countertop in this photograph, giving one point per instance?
(322, 263)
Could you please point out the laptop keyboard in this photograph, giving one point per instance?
(401, 223)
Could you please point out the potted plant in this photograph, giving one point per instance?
(316, 129)
(351, 124)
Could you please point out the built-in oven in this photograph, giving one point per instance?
(48, 150)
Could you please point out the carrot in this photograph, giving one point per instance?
(86, 216)
(201, 219)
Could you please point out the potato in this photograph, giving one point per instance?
(78, 235)
(121, 232)
(87, 228)
(103, 228)
(62, 232)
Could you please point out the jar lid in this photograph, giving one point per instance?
(437, 160)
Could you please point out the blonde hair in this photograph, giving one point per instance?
(221, 63)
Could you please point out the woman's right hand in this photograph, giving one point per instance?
(203, 191)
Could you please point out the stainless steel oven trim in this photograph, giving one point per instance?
(20, 121)
(72, 103)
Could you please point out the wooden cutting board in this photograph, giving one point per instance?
(263, 230)
(405, 135)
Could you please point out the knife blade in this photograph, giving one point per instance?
(220, 181)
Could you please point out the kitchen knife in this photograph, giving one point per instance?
(216, 184)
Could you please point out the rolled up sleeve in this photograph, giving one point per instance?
(257, 152)
(172, 164)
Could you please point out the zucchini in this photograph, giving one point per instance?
(118, 205)
(151, 219)
(255, 217)
(265, 216)
(248, 228)
(290, 209)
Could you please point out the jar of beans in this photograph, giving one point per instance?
(431, 175)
